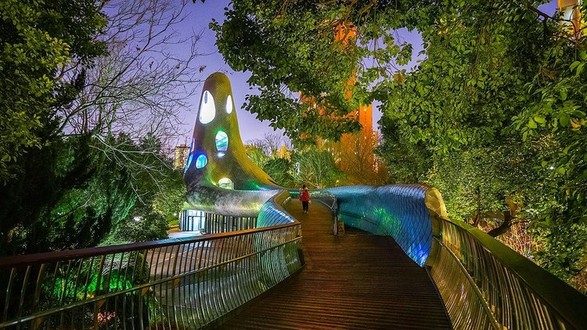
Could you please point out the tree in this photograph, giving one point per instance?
(493, 112)
(145, 80)
(314, 168)
(407, 162)
(355, 156)
(256, 36)
(94, 112)
(112, 204)
(270, 143)
(38, 42)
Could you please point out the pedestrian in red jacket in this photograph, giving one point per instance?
(305, 198)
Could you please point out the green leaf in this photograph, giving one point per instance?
(580, 69)
(564, 119)
(539, 119)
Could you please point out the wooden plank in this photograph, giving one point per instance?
(357, 281)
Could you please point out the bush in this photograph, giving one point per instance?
(149, 227)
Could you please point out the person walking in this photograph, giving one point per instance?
(305, 198)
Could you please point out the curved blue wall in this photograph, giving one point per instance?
(396, 210)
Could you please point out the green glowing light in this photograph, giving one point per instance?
(68, 288)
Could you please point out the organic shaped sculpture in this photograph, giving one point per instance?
(218, 161)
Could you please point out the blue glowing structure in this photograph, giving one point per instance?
(399, 211)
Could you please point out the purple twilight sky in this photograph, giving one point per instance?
(199, 16)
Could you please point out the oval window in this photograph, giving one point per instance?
(207, 108)
(201, 161)
(221, 141)
(229, 104)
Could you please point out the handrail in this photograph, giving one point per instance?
(327, 199)
(398, 211)
(64, 255)
(181, 282)
(193, 282)
(540, 300)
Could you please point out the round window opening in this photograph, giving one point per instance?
(226, 183)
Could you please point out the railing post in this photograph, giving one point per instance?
(338, 225)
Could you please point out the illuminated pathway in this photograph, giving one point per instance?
(356, 281)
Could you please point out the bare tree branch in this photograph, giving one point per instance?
(145, 81)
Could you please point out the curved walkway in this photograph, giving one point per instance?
(355, 281)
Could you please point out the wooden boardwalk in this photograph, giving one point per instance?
(357, 281)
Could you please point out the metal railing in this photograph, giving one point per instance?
(483, 283)
(168, 284)
(329, 200)
(192, 283)
(219, 223)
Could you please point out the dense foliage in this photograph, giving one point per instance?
(493, 112)
(108, 200)
(314, 168)
(85, 109)
(37, 40)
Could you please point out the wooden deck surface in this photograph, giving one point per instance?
(356, 281)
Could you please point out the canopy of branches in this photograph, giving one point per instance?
(493, 112)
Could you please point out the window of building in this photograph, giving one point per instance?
(221, 142)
